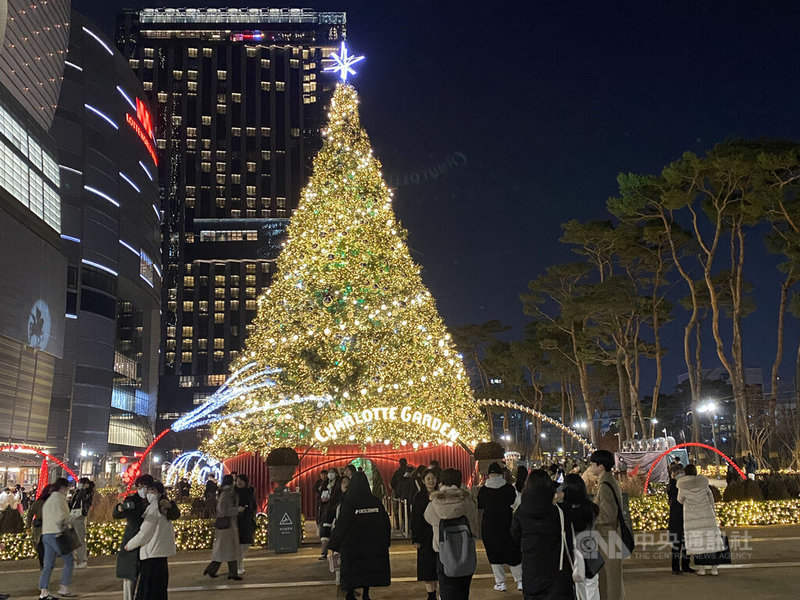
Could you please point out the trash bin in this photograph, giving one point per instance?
(283, 515)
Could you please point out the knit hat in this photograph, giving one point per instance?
(495, 468)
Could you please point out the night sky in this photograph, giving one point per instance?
(537, 108)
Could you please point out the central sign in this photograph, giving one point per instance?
(407, 414)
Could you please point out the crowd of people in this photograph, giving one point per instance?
(557, 540)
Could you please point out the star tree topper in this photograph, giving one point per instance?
(344, 63)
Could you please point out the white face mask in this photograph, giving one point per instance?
(151, 498)
(331, 476)
(142, 493)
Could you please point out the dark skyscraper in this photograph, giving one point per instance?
(239, 96)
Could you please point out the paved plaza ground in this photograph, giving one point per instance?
(768, 567)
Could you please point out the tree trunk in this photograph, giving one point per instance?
(627, 428)
(773, 392)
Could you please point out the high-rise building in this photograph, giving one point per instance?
(104, 397)
(239, 96)
(33, 42)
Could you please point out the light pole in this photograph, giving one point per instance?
(710, 408)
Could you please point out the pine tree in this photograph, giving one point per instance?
(360, 352)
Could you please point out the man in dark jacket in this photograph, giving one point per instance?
(362, 534)
(132, 510)
(397, 483)
(680, 560)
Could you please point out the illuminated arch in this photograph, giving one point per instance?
(45, 457)
(541, 416)
(686, 445)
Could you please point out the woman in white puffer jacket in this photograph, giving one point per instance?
(156, 542)
(700, 528)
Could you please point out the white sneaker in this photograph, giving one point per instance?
(714, 570)
(519, 586)
(81, 565)
(242, 571)
(500, 587)
(701, 571)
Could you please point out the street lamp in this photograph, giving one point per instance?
(710, 408)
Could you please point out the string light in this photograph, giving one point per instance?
(347, 319)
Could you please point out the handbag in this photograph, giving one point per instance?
(68, 541)
(625, 530)
(585, 567)
(222, 523)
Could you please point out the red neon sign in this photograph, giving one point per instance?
(143, 128)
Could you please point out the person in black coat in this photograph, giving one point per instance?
(496, 498)
(246, 497)
(680, 560)
(362, 535)
(132, 510)
(319, 485)
(330, 504)
(422, 534)
(537, 524)
(579, 515)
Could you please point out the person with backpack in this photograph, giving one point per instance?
(496, 498)
(579, 515)
(362, 535)
(607, 525)
(422, 534)
(537, 524)
(453, 516)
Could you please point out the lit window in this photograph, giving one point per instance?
(187, 331)
(281, 202)
(236, 97)
(148, 63)
(265, 63)
(251, 305)
(265, 131)
(236, 131)
(222, 75)
(250, 279)
(218, 355)
(134, 64)
(205, 155)
(265, 86)
(188, 306)
(251, 167)
(188, 281)
(219, 318)
(251, 190)
(295, 132)
(221, 167)
(251, 131)
(186, 357)
(191, 131)
(148, 52)
(251, 51)
(222, 109)
(177, 75)
(206, 120)
(265, 154)
(191, 144)
(294, 63)
(148, 86)
(202, 344)
(236, 178)
(176, 119)
(207, 52)
(192, 52)
(205, 167)
(191, 86)
(192, 75)
(280, 86)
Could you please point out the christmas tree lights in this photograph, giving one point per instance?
(351, 336)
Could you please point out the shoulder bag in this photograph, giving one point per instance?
(625, 531)
(68, 540)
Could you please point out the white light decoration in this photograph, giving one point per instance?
(91, 263)
(196, 466)
(130, 182)
(103, 195)
(102, 115)
(344, 63)
(99, 41)
(540, 415)
(129, 247)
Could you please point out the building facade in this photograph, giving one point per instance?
(239, 97)
(104, 398)
(32, 270)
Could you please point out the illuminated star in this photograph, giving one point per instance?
(344, 63)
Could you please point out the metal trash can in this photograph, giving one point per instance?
(283, 514)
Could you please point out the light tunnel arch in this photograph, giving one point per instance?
(688, 445)
(539, 415)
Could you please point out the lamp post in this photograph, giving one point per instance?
(710, 408)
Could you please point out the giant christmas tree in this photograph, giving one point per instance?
(358, 351)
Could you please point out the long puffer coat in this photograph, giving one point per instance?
(362, 534)
(226, 541)
(537, 525)
(700, 527)
(495, 498)
(246, 497)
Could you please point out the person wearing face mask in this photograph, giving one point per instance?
(56, 517)
(132, 509)
(330, 499)
(82, 501)
(156, 543)
(246, 497)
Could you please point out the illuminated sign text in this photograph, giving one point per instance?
(143, 127)
(407, 415)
